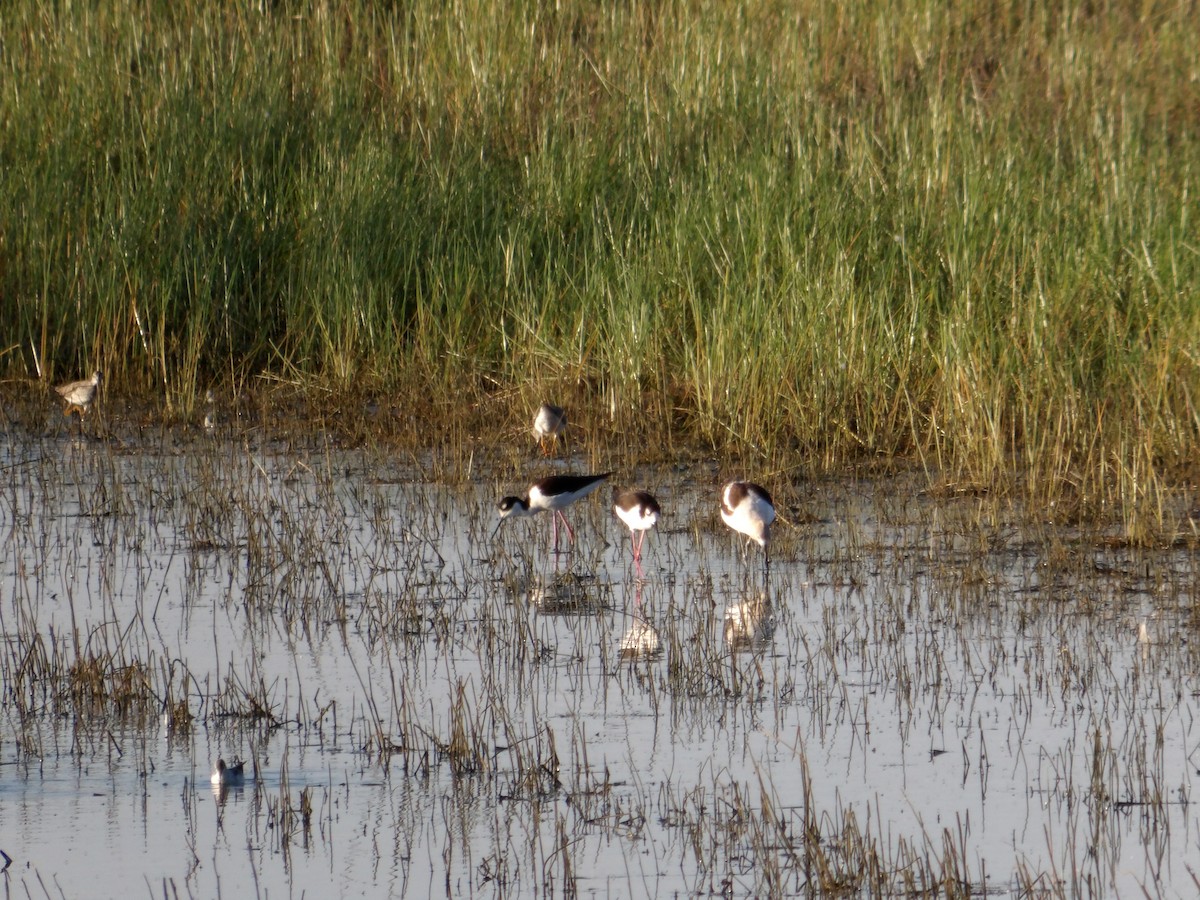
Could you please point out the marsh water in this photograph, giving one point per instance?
(922, 694)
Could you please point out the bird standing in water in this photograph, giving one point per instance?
(747, 509)
(549, 422)
(79, 395)
(639, 511)
(555, 494)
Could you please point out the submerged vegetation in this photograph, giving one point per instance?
(818, 235)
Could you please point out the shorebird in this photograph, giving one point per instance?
(548, 424)
(639, 511)
(555, 494)
(748, 510)
(210, 414)
(229, 776)
(79, 395)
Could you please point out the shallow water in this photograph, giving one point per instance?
(921, 690)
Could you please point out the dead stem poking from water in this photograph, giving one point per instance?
(886, 621)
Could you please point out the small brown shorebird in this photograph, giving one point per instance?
(225, 775)
(210, 413)
(548, 424)
(747, 509)
(79, 395)
(639, 511)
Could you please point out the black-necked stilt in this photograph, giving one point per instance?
(79, 395)
(639, 511)
(548, 424)
(229, 775)
(555, 494)
(748, 510)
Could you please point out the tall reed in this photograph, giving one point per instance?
(815, 234)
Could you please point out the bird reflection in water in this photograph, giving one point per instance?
(749, 623)
(640, 638)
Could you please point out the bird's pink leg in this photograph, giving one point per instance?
(567, 525)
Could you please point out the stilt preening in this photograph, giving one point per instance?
(747, 509)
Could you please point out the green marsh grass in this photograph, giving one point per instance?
(810, 236)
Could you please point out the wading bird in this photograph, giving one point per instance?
(555, 494)
(748, 510)
(548, 424)
(79, 395)
(639, 511)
